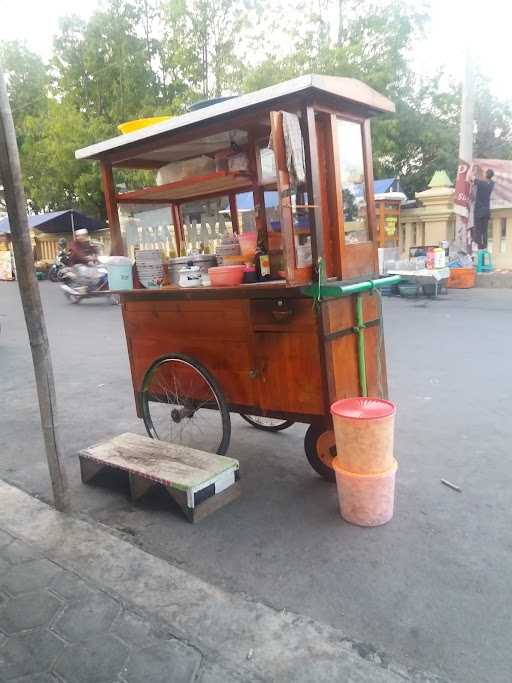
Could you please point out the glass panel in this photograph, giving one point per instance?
(301, 229)
(246, 213)
(146, 226)
(350, 143)
(205, 221)
(268, 165)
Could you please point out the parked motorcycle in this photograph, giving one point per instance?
(57, 272)
(86, 282)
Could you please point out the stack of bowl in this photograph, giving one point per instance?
(365, 466)
(150, 267)
(228, 251)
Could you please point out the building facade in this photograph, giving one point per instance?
(432, 220)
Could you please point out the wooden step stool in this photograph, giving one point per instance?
(198, 481)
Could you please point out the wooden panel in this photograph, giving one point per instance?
(216, 333)
(374, 340)
(167, 324)
(341, 312)
(359, 259)
(230, 362)
(283, 315)
(341, 352)
(291, 377)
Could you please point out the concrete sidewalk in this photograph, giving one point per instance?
(78, 604)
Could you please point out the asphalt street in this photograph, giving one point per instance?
(431, 589)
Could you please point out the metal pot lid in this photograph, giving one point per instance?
(195, 258)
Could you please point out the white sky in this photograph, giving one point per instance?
(36, 21)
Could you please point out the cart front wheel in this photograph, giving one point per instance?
(183, 404)
(267, 424)
(320, 447)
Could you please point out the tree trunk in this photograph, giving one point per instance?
(10, 171)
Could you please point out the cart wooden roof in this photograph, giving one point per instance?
(344, 92)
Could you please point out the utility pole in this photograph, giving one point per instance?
(10, 172)
(462, 184)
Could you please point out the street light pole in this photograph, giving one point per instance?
(10, 172)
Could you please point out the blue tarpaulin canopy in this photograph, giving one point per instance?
(57, 221)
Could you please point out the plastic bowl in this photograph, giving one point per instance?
(226, 276)
(137, 124)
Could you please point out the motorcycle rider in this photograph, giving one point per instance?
(81, 251)
(83, 258)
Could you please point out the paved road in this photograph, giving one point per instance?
(429, 590)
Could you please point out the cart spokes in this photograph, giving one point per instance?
(182, 403)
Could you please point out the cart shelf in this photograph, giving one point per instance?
(204, 185)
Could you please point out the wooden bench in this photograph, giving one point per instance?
(199, 482)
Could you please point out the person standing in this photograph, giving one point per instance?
(483, 191)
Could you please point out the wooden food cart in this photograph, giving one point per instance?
(282, 349)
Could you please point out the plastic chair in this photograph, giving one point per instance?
(484, 261)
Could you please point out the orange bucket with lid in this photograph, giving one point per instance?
(364, 430)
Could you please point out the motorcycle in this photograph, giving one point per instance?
(86, 282)
(57, 272)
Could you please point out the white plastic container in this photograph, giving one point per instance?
(119, 270)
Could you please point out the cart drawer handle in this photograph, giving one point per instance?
(282, 315)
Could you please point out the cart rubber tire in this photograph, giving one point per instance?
(284, 424)
(210, 379)
(313, 433)
(53, 274)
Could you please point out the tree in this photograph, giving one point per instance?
(102, 65)
(200, 40)
(493, 119)
(27, 81)
(54, 179)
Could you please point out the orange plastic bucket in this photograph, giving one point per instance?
(366, 499)
(462, 278)
(364, 430)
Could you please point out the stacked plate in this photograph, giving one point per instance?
(228, 247)
(150, 267)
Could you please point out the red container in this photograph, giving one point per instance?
(226, 276)
(366, 499)
(364, 429)
(462, 278)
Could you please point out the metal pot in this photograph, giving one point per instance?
(203, 261)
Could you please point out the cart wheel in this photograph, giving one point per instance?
(267, 424)
(115, 299)
(183, 404)
(320, 448)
